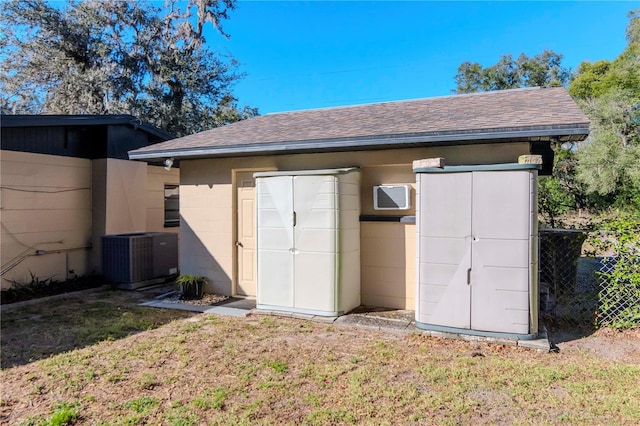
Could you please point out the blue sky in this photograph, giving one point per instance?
(303, 55)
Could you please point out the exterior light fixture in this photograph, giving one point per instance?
(168, 163)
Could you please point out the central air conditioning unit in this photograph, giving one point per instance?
(131, 261)
(392, 197)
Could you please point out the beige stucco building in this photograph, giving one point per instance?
(65, 182)
(217, 186)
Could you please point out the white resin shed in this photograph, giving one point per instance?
(308, 241)
(477, 250)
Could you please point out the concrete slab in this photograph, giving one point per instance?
(541, 344)
(179, 306)
(370, 321)
(326, 320)
(443, 335)
(227, 311)
(501, 341)
(270, 312)
(235, 302)
(302, 316)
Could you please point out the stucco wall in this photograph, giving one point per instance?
(128, 197)
(157, 177)
(387, 249)
(46, 205)
(63, 205)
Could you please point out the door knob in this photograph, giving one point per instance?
(239, 244)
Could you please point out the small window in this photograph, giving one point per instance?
(171, 205)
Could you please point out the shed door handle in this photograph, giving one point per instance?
(468, 276)
(295, 217)
(239, 244)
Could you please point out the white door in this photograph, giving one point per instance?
(246, 234)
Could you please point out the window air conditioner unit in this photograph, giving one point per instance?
(392, 197)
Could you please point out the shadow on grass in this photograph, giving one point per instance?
(37, 331)
(565, 331)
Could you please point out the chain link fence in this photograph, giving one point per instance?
(567, 282)
(619, 297)
(581, 286)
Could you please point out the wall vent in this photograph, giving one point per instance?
(392, 197)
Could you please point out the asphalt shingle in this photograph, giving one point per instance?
(520, 109)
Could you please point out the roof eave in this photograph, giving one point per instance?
(56, 120)
(562, 133)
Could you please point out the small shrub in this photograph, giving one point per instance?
(36, 287)
(191, 286)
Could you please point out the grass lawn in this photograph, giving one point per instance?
(164, 367)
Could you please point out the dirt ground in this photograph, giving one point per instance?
(606, 343)
(123, 376)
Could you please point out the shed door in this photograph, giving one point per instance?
(501, 230)
(445, 249)
(275, 241)
(315, 242)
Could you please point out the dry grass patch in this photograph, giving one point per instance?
(261, 370)
(37, 331)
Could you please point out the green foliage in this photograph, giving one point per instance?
(96, 57)
(278, 366)
(65, 414)
(553, 200)
(544, 70)
(588, 81)
(142, 405)
(37, 287)
(609, 159)
(619, 297)
(211, 400)
(609, 93)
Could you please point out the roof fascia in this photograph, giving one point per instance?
(581, 130)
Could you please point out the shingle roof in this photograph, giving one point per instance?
(485, 116)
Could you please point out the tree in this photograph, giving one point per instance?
(95, 57)
(544, 70)
(609, 93)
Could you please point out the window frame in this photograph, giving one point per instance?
(169, 220)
